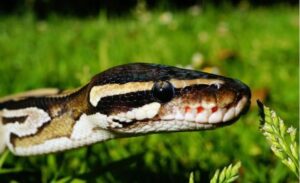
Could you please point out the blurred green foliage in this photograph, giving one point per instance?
(258, 46)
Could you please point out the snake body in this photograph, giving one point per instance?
(124, 101)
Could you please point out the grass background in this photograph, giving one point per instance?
(259, 46)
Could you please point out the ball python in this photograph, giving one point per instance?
(124, 101)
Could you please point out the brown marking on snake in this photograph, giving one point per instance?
(56, 128)
(64, 115)
(226, 98)
(20, 119)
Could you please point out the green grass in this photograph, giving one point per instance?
(66, 52)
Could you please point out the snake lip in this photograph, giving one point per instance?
(168, 125)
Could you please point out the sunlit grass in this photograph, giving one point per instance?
(257, 46)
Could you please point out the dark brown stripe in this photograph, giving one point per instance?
(12, 139)
(42, 102)
(21, 119)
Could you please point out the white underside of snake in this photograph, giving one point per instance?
(124, 101)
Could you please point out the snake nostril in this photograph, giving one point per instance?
(216, 86)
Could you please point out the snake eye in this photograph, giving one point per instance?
(163, 91)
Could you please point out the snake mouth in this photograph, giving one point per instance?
(211, 114)
(209, 118)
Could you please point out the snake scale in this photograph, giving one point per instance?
(124, 101)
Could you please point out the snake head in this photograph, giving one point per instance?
(148, 98)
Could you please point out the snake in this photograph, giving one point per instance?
(124, 101)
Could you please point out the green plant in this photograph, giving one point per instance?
(282, 139)
(191, 179)
(228, 174)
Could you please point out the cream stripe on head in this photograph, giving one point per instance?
(107, 90)
(184, 83)
(98, 92)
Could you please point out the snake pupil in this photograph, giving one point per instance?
(163, 91)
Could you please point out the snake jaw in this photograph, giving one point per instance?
(192, 119)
